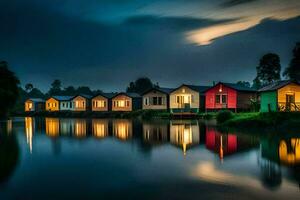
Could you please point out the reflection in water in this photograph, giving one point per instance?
(9, 126)
(52, 127)
(122, 129)
(270, 174)
(80, 128)
(155, 133)
(289, 151)
(29, 128)
(184, 134)
(100, 128)
(227, 143)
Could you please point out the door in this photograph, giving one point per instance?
(290, 101)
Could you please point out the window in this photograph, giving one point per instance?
(127, 103)
(218, 98)
(154, 100)
(63, 104)
(192, 98)
(224, 98)
(177, 99)
(48, 104)
(159, 100)
(146, 102)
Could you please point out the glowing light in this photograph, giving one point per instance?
(52, 127)
(122, 129)
(100, 128)
(29, 131)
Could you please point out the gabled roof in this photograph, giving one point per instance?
(83, 95)
(62, 98)
(129, 94)
(196, 88)
(163, 90)
(277, 85)
(106, 95)
(36, 100)
(238, 87)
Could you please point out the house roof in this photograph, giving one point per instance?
(163, 90)
(238, 87)
(197, 88)
(83, 95)
(36, 100)
(62, 98)
(106, 95)
(129, 94)
(276, 85)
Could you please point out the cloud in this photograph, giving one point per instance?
(176, 23)
(232, 3)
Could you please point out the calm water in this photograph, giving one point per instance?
(51, 158)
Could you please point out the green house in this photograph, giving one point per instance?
(280, 96)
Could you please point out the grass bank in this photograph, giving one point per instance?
(274, 120)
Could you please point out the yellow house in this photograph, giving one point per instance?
(34, 104)
(81, 103)
(102, 102)
(126, 102)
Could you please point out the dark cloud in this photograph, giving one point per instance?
(41, 44)
(176, 23)
(232, 3)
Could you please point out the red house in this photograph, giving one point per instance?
(229, 96)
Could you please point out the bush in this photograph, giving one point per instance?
(223, 116)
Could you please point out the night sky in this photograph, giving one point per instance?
(105, 44)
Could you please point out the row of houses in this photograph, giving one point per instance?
(279, 96)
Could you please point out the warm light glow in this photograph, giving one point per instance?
(100, 128)
(122, 129)
(52, 127)
(29, 131)
(291, 156)
(120, 103)
(80, 128)
(9, 126)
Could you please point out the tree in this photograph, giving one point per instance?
(293, 70)
(9, 91)
(243, 83)
(140, 85)
(84, 90)
(36, 93)
(268, 70)
(256, 84)
(28, 87)
(69, 91)
(55, 88)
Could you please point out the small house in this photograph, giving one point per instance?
(229, 96)
(102, 102)
(81, 102)
(34, 105)
(57, 103)
(280, 96)
(156, 99)
(126, 102)
(187, 99)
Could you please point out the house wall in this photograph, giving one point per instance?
(289, 89)
(266, 99)
(99, 98)
(29, 104)
(79, 103)
(149, 96)
(244, 99)
(195, 99)
(210, 97)
(65, 105)
(127, 107)
(52, 105)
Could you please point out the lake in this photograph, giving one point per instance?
(52, 158)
